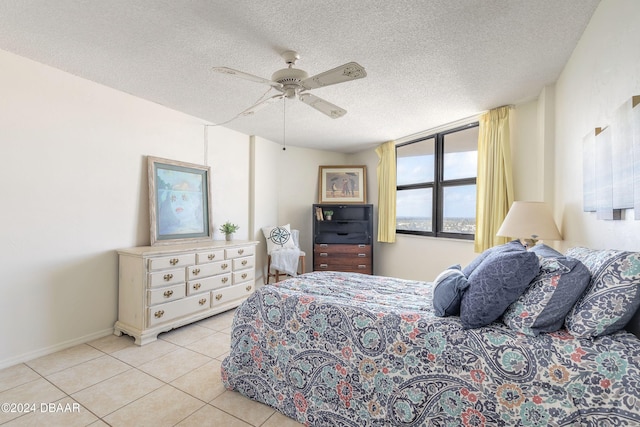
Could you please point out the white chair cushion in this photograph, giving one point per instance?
(278, 237)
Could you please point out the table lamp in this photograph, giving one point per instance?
(529, 222)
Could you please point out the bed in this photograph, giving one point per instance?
(345, 349)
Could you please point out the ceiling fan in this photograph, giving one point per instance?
(292, 82)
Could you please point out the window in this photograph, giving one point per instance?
(436, 184)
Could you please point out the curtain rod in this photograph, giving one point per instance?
(440, 128)
(446, 126)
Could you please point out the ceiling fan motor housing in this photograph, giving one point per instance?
(290, 79)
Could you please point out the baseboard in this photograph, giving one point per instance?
(54, 348)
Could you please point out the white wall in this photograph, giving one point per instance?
(602, 73)
(298, 183)
(286, 183)
(229, 157)
(75, 190)
(528, 163)
(266, 195)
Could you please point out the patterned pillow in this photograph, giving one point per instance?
(512, 246)
(278, 237)
(612, 296)
(495, 285)
(544, 306)
(448, 289)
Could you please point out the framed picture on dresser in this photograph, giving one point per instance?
(179, 202)
(342, 184)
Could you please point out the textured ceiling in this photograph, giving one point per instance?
(428, 63)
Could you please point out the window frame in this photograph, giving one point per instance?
(438, 185)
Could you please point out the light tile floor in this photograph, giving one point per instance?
(174, 381)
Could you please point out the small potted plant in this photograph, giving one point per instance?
(328, 215)
(228, 229)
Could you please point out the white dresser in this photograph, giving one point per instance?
(164, 287)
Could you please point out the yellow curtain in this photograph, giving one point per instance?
(495, 179)
(387, 192)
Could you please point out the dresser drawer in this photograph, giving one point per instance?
(244, 262)
(208, 283)
(181, 260)
(172, 310)
(166, 277)
(166, 294)
(239, 252)
(243, 276)
(351, 251)
(209, 256)
(204, 270)
(363, 267)
(225, 295)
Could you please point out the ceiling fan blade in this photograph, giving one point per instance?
(323, 106)
(260, 105)
(343, 73)
(246, 76)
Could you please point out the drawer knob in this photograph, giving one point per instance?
(324, 254)
(225, 279)
(211, 256)
(196, 286)
(195, 271)
(168, 293)
(158, 314)
(240, 251)
(168, 277)
(244, 262)
(218, 297)
(248, 288)
(362, 255)
(324, 265)
(362, 266)
(203, 301)
(174, 261)
(244, 275)
(224, 266)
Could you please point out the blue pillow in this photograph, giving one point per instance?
(448, 289)
(544, 306)
(545, 251)
(512, 246)
(495, 284)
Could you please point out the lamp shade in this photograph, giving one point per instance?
(529, 220)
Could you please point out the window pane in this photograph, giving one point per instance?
(459, 209)
(414, 209)
(414, 162)
(461, 154)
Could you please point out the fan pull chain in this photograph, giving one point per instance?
(284, 124)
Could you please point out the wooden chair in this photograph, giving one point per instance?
(276, 273)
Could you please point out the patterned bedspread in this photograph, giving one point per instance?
(344, 349)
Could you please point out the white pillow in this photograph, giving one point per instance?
(278, 237)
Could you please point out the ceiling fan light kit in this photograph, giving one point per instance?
(294, 82)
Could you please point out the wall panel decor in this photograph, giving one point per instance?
(622, 157)
(604, 176)
(611, 164)
(635, 132)
(589, 171)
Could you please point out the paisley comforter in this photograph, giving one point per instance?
(344, 349)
